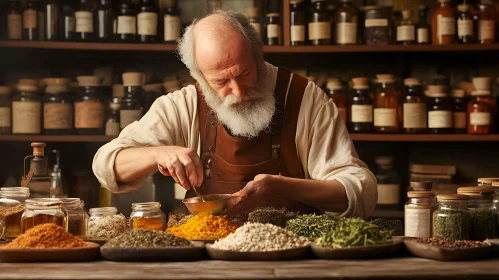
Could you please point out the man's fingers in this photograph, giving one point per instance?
(198, 166)
(190, 169)
(182, 176)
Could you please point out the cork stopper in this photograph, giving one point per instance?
(435, 94)
(56, 89)
(56, 82)
(406, 14)
(481, 83)
(5, 90)
(385, 78)
(463, 7)
(273, 15)
(334, 85)
(437, 89)
(253, 12)
(420, 194)
(118, 90)
(27, 87)
(475, 190)
(153, 87)
(458, 93)
(38, 148)
(89, 81)
(360, 83)
(484, 92)
(488, 180)
(133, 79)
(411, 82)
(29, 82)
(422, 186)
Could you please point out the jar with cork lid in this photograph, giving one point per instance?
(418, 214)
(406, 31)
(444, 24)
(57, 107)
(319, 24)
(439, 110)
(386, 119)
(414, 107)
(131, 104)
(376, 26)
(274, 29)
(459, 111)
(89, 106)
(5, 110)
(486, 18)
(254, 17)
(337, 93)
(361, 108)
(27, 108)
(480, 206)
(481, 108)
(152, 92)
(113, 117)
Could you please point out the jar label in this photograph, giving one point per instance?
(346, 33)
(89, 114)
(415, 115)
(465, 27)
(486, 29)
(112, 129)
(258, 28)
(70, 23)
(445, 26)
(423, 36)
(273, 31)
(440, 119)
(15, 26)
(362, 113)
(318, 30)
(172, 28)
(297, 33)
(129, 116)
(385, 117)
(5, 117)
(127, 25)
(417, 222)
(343, 113)
(57, 116)
(406, 33)
(376, 22)
(147, 23)
(480, 118)
(29, 19)
(388, 194)
(84, 22)
(459, 119)
(26, 117)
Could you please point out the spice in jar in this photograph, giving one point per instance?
(12, 208)
(439, 111)
(46, 236)
(386, 119)
(89, 106)
(483, 219)
(481, 107)
(203, 226)
(423, 28)
(452, 219)
(147, 215)
(268, 215)
(319, 25)
(142, 238)
(376, 28)
(5, 110)
(418, 214)
(57, 107)
(465, 28)
(414, 107)
(312, 226)
(273, 29)
(105, 223)
(77, 217)
(42, 211)
(26, 108)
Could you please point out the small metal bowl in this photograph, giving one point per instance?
(214, 203)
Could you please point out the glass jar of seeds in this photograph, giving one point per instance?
(452, 219)
(483, 219)
(105, 223)
(11, 209)
(77, 216)
(147, 215)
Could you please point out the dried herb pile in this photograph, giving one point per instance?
(397, 226)
(311, 226)
(147, 239)
(451, 224)
(452, 244)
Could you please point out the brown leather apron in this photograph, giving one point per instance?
(230, 162)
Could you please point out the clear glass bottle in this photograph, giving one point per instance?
(465, 28)
(132, 102)
(30, 21)
(152, 92)
(274, 29)
(388, 184)
(104, 21)
(480, 206)
(459, 111)
(147, 215)
(347, 19)
(336, 92)
(12, 205)
(84, 16)
(14, 21)
(361, 107)
(26, 108)
(444, 24)
(171, 24)
(376, 26)
(254, 17)
(77, 217)
(486, 16)
(418, 213)
(51, 10)
(423, 28)
(481, 108)
(298, 20)
(147, 22)
(386, 119)
(414, 107)
(406, 31)
(57, 108)
(68, 23)
(43, 210)
(5, 110)
(452, 219)
(113, 117)
(89, 106)
(439, 113)
(319, 25)
(127, 23)
(106, 218)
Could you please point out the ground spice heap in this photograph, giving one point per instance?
(452, 244)
(311, 226)
(147, 239)
(256, 237)
(46, 236)
(106, 227)
(204, 226)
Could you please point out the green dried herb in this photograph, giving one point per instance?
(147, 238)
(397, 226)
(353, 232)
(482, 224)
(451, 224)
(268, 215)
(312, 226)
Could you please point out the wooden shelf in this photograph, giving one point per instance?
(56, 138)
(424, 137)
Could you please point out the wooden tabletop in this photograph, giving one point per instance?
(412, 268)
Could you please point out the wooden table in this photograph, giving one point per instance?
(411, 268)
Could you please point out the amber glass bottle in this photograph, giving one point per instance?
(406, 32)
(444, 24)
(459, 111)
(319, 25)
(298, 21)
(485, 17)
(465, 25)
(336, 92)
(347, 19)
(481, 108)
(361, 107)
(414, 107)
(439, 113)
(423, 27)
(386, 105)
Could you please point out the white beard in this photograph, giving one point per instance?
(244, 117)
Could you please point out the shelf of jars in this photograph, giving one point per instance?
(56, 138)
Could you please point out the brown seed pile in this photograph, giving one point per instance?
(8, 210)
(451, 244)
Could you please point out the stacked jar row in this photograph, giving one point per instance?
(386, 109)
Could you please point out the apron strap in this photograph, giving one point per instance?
(281, 88)
(207, 125)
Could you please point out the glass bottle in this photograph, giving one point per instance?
(481, 208)
(298, 20)
(459, 111)
(486, 15)
(388, 184)
(386, 119)
(361, 107)
(335, 92)
(406, 31)
(495, 204)
(131, 104)
(418, 214)
(465, 28)
(347, 19)
(30, 21)
(95, 222)
(51, 9)
(113, 117)
(319, 25)
(439, 113)
(104, 21)
(414, 107)
(254, 18)
(147, 22)
(377, 30)
(14, 21)
(152, 92)
(147, 215)
(68, 23)
(89, 106)
(77, 217)
(452, 219)
(57, 108)
(127, 23)
(12, 204)
(273, 29)
(43, 210)
(26, 108)
(171, 24)
(5, 110)
(444, 24)
(480, 111)
(84, 30)
(423, 27)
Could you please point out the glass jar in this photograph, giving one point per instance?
(439, 113)
(84, 18)
(274, 29)
(89, 106)
(319, 25)
(495, 204)
(361, 108)
(444, 24)
(105, 223)
(5, 110)
(14, 21)
(113, 118)
(254, 17)
(147, 22)
(423, 28)
(406, 31)
(68, 22)
(131, 104)
(42, 211)
(376, 27)
(171, 24)
(483, 219)
(77, 217)
(127, 23)
(465, 28)
(388, 184)
(152, 92)
(459, 111)
(347, 19)
(104, 21)
(57, 108)
(11, 209)
(147, 215)
(414, 107)
(298, 20)
(335, 92)
(26, 108)
(30, 21)
(452, 220)
(485, 18)
(51, 22)
(480, 111)
(386, 119)
(418, 214)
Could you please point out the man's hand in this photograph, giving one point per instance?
(252, 195)
(183, 164)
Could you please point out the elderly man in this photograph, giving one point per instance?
(248, 128)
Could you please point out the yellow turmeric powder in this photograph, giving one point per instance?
(204, 226)
(147, 223)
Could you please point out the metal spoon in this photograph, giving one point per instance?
(165, 172)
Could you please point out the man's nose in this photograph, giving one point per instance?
(237, 89)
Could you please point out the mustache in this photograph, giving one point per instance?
(250, 97)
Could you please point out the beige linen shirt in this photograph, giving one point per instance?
(322, 141)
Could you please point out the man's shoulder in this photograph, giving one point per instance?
(185, 93)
